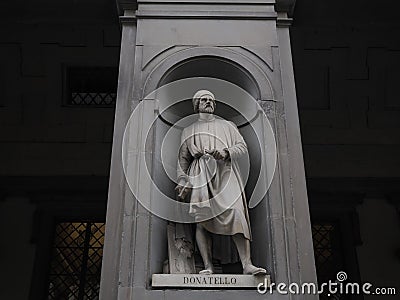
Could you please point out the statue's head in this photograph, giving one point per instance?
(204, 102)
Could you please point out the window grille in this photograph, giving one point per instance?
(328, 252)
(101, 99)
(76, 261)
(91, 86)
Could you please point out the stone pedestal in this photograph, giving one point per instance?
(216, 281)
(247, 43)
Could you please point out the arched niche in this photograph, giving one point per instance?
(208, 68)
(174, 65)
(215, 67)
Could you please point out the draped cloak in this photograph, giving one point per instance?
(217, 194)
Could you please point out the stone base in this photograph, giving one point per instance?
(215, 281)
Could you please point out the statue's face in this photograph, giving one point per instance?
(206, 104)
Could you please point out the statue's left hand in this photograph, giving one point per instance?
(219, 154)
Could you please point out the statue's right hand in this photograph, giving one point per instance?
(183, 190)
(179, 188)
(198, 155)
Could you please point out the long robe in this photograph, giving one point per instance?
(217, 186)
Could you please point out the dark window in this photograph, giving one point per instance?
(90, 86)
(336, 235)
(334, 252)
(76, 261)
(327, 250)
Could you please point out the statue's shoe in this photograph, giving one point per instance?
(253, 270)
(208, 271)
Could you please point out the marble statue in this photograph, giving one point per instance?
(209, 179)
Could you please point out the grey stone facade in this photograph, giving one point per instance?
(57, 158)
(248, 35)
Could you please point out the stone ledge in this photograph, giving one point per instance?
(215, 281)
(206, 15)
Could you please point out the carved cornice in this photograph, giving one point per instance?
(286, 6)
(123, 5)
(283, 20)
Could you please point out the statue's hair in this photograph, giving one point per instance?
(197, 96)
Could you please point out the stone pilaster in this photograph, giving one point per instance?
(252, 36)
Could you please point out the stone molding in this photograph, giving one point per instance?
(286, 6)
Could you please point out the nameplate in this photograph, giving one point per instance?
(215, 281)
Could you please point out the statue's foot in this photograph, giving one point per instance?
(250, 269)
(207, 271)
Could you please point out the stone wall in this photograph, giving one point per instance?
(346, 59)
(39, 135)
(50, 153)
